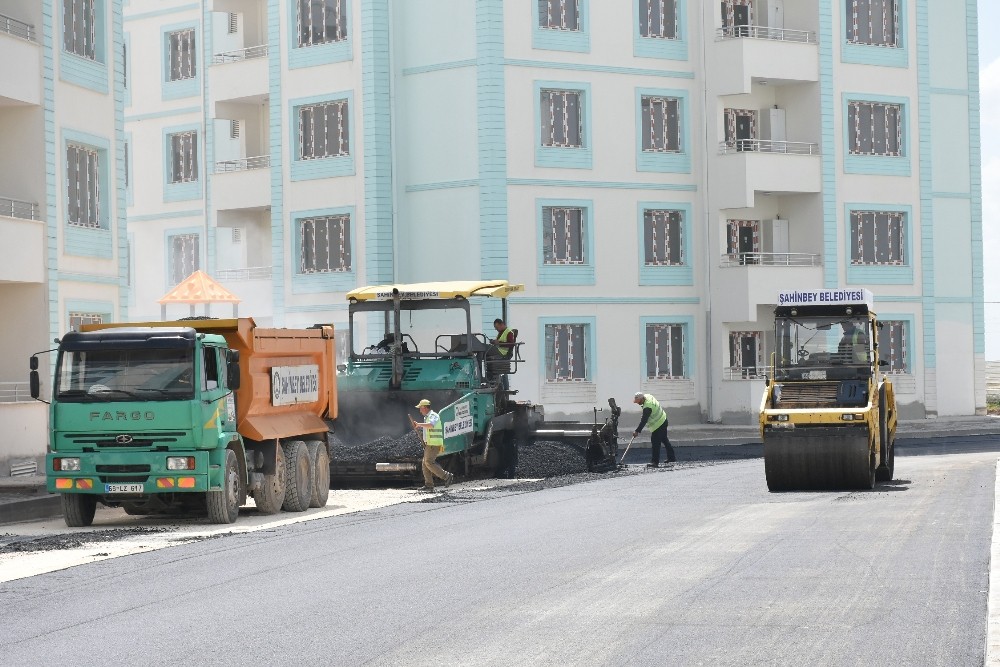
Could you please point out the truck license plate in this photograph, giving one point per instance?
(123, 488)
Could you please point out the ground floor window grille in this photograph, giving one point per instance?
(664, 351)
(184, 257)
(326, 244)
(893, 342)
(566, 352)
(745, 353)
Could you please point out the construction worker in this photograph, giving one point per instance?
(498, 354)
(432, 431)
(853, 347)
(656, 417)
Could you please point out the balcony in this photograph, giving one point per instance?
(21, 228)
(748, 166)
(240, 75)
(242, 183)
(18, 44)
(253, 285)
(745, 54)
(748, 280)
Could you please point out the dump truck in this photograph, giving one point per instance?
(828, 413)
(190, 416)
(419, 342)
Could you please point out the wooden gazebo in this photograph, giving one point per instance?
(198, 288)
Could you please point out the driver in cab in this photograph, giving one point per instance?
(853, 347)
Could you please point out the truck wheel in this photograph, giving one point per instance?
(886, 472)
(298, 477)
(271, 494)
(78, 509)
(224, 504)
(319, 457)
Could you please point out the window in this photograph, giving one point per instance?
(80, 28)
(664, 351)
(658, 19)
(562, 118)
(181, 52)
(562, 235)
(874, 22)
(741, 129)
(663, 240)
(210, 378)
(184, 157)
(874, 128)
(744, 354)
(183, 257)
(661, 125)
(737, 16)
(566, 352)
(83, 186)
(743, 240)
(559, 14)
(892, 346)
(325, 244)
(877, 237)
(76, 319)
(321, 21)
(323, 130)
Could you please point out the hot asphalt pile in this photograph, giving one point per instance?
(380, 450)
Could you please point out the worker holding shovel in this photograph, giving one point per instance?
(656, 417)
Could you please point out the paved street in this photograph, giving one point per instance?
(699, 565)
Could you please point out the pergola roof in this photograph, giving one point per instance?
(199, 288)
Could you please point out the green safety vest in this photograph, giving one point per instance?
(859, 351)
(502, 338)
(657, 415)
(435, 434)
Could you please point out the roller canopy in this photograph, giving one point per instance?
(466, 289)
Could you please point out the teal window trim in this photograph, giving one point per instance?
(168, 234)
(673, 162)
(311, 283)
(880, 275)
(690, 362)
(559, 156)
(567, 274)
(317, 54)
(870, 54)
(658, 47)
(909, 328)
(187, 190)
(552, 39)
(879, 165)
(81, 71)
(128, 74)
(129, 171)
(174, 90)
(590, 337)
(329, 167)
(88, 241)
(666, 275)
(105, 309)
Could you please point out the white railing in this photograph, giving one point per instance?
(243, 164)
(768, 146)
(15, 392)
(248, 273)
(764, 32)
(17, 28)
(743, 373)
(15, 208)
(239, 55)
(770, 259)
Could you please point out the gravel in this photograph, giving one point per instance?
(550, 459)
(19, 544)
(381, 450)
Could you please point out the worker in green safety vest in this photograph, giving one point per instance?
(853, 347)
(432, 431)
(656, 418)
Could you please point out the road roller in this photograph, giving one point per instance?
(828, 413)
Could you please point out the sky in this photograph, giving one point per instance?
(989, 91)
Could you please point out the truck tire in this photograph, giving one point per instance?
(224, 504)
(320, 460)
(271, 494)
(298, 476)
(78, 509)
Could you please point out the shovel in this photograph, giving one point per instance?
(626, 451)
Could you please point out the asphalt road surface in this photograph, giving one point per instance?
(698, 565)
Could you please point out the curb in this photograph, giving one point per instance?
(30, 509)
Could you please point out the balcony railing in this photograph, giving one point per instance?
(770, 259)
(15, 392)
(249, 273)
(239, 55)
(764, 32)
(243, 164)
(732, 373)
(17, 28)
(15, 208)
(768, 146)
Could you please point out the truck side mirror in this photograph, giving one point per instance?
(34, 384)
(33, 363)
(233, 369)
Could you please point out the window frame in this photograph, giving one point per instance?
(567, 157)
(172, 89)
(168, 237)
(181, 55)
(907, 321)
(581, 273)
(319, 282)
(557, 39)
(87, 241)
(343, 118)
(685, 350)
(317, 54)
(759, 368)
(81, 70)
(182, 190)
(880, 274)
(660, 47)
(875, 54)
(303, 169)
(876, 164)
(676, 274)
(590, 349)
(677, 162)
(103, 309)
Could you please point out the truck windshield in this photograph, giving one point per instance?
(120, 375)
(821, 342)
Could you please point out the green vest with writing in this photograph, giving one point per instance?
(435, 434)
(657, 415)
(502, 338)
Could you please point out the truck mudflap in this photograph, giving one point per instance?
(818, 458)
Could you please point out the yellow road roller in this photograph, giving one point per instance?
(828, 413)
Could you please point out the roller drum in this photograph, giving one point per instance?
(818, 458)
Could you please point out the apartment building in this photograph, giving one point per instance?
(654, 171)
(62, 206)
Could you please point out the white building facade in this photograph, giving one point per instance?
(62, 194)
(654, 171)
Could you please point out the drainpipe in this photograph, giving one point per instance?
(710, 380)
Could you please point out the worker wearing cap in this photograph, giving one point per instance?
(498, 353)
(656, 417)
(433, 437)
